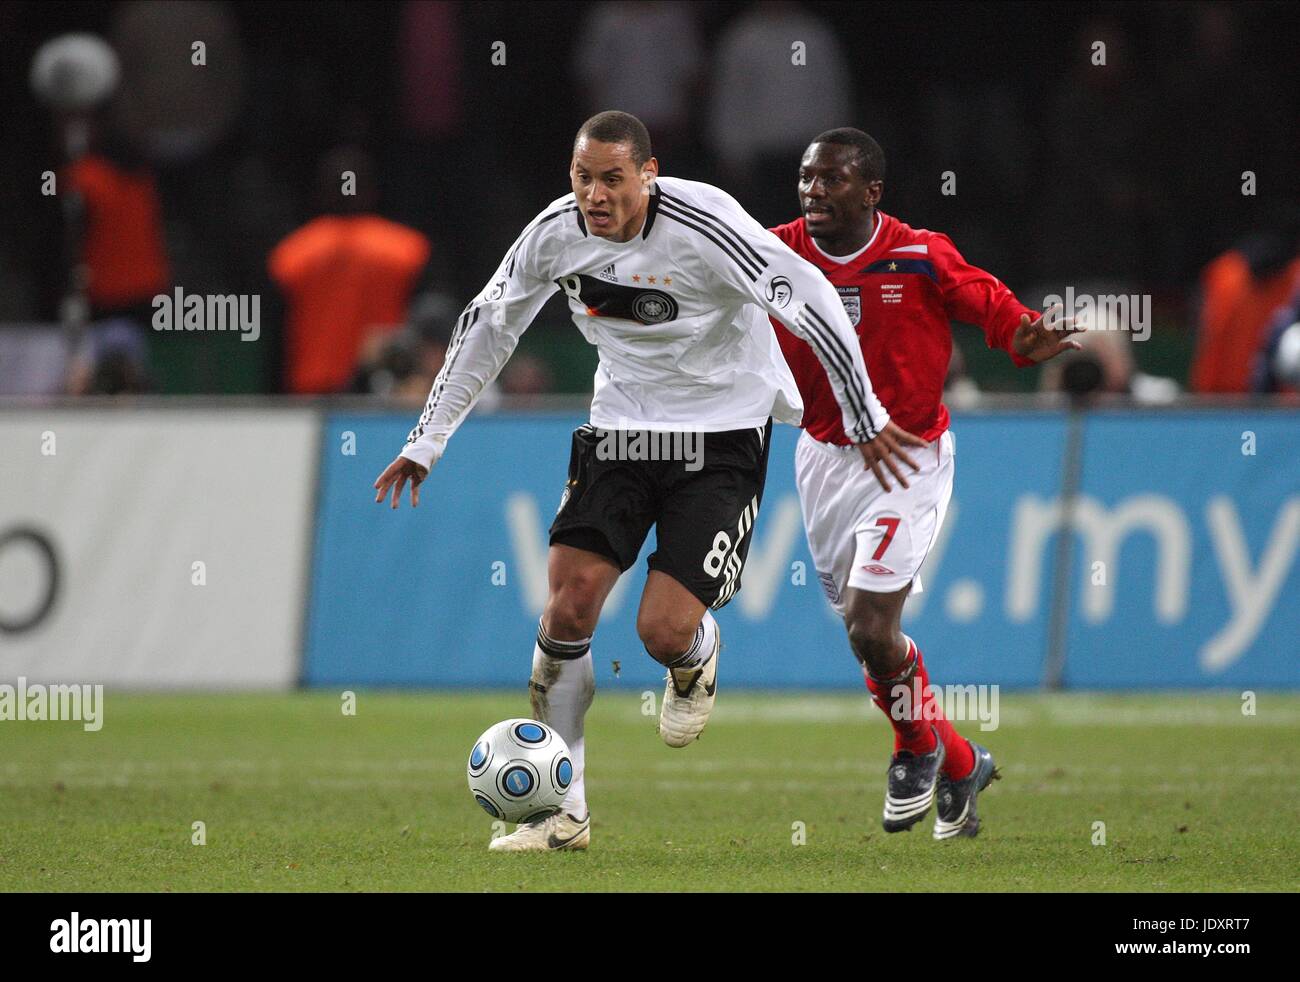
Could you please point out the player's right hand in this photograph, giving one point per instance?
(887, 449)
(396, 475)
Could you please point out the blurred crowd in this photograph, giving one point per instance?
(362, 167)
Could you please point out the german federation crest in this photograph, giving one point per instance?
(851, 297)
(653, 307)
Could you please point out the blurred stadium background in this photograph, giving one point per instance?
(191, 510)
(210, 161)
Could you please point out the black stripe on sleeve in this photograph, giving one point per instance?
(720, 227)
(831, 361)
(433, 396)
(514, 250)
(839, 344)
(834, 357)
(853, 376)
(467, 320)
(669, 211)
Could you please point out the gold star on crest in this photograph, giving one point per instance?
(636, 277)
(893, 267)
(652, 279)
(668, 281)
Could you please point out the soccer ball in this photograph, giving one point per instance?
(520, 770)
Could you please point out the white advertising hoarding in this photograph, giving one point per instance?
(155, 548)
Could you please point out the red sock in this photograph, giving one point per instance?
(914, 734)
(894, 697)
(958, 760)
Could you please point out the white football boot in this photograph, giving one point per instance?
(688, 701)
(558, 831)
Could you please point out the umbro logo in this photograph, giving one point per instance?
(879, 570)
(608, 274)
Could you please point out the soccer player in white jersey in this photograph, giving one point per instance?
(666, 278)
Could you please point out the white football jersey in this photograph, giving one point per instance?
(677, 315)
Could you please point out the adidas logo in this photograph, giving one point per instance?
(608, 274)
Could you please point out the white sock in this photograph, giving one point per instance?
(701, 649)
(561, 690)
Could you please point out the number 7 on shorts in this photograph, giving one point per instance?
(890, 526)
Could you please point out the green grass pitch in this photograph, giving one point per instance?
(294, 795)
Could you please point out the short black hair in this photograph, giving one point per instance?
(613, 126)
(870, 159)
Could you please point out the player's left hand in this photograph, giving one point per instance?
(395, 476)
(1046, 337)
(887, 449)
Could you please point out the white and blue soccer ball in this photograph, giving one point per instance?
(520, 770)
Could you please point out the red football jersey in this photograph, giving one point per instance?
(900, 293)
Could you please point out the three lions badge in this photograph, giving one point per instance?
(851, 297)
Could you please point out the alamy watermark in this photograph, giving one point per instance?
(1106, 311)
(25, 702)
(953, 702)
(183, 311)
(102, 935)
(624, 444)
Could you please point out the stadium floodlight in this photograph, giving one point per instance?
(1286, 359)
(75, 72)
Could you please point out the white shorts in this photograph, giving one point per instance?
(859, 535)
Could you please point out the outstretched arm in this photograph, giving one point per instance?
(978, 297)
(1039, 338)
(763, 269)
(486, 334)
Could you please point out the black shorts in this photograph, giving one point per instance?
(703, 502)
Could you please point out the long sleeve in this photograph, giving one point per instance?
(486, 335)
(760, 268)
(974, 296)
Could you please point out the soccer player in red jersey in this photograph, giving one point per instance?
(900, 286)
